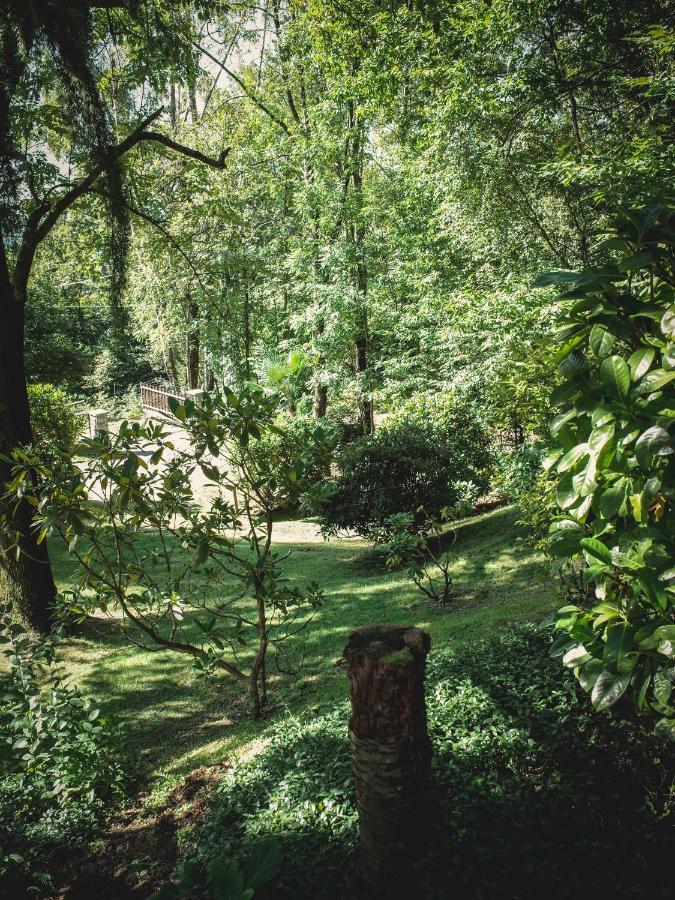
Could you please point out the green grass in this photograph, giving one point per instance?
(175, 721)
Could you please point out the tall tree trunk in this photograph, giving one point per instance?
(192, 345)
(173, 109)
(26, 581)
(320, 403)
(356, 232)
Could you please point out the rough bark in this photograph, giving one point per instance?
(320, 403)
(25, 581)
(391, 752)
(192, 345)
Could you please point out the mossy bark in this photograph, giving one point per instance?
(391, 752)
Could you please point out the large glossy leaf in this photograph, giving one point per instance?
(668, 323)
(655, 380)
(572, 457)
(609, 688)
(601, 340)
(615, 375)
(640, 361)
(597, 549)
(612, 499)
(655, 441)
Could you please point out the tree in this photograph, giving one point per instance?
(172, 571)
(614, 465)
(59, 44)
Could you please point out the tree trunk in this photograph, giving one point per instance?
(171, 368)
(391, 752)
(320, 403)
(27, 582)
(192, 345)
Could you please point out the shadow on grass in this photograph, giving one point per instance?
(173, 719)
(538, 795)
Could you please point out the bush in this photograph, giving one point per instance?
(615, 468)
(53, 417)
(517, 470)
(422, 458)
(299, 443)
(537, 793)
(59, 762)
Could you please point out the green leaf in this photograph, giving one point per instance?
(640, 361)
(665, 728)
(609, 688)
(589, 674)
(596, 548)
(262, 863)
(615, 375)
(654, 381)
(225, 880)
(601, 341)
(177, 408)
(663, 687)
(566, 494)
(572, 457)
(668, 323)
(655, 441)
(612, 499)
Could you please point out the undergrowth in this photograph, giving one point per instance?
(537, 794)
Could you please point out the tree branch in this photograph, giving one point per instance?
(42, 220)
(242, 84)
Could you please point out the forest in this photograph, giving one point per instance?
(337, 432)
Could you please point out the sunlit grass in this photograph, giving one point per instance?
(175, 721)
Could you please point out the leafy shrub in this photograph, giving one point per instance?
(615, 468)
(300, 444)
(536, 792)
(59, 762)
(53, 417)
(517, 470)
(420, 461)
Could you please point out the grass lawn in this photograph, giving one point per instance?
(175, 721)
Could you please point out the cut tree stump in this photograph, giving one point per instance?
(391, 752)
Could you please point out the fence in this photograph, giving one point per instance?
(155, 395)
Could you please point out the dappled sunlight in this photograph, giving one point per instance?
(176, 720)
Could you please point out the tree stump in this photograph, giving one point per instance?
(391, 751)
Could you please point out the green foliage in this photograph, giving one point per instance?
(404, 540)
(222, 880)
(300, 450)
(525, 776)
(421, 460)
(517, 471)
(616, 469)
(118, 487)
(55, 423)
(60, 763)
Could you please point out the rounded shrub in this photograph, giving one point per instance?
(55, 422)
(299, 445)
(422, 460)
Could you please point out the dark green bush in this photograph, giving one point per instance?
(538, 795)
(53, 417)
(59, 762)
(517, 470)
(425, 457)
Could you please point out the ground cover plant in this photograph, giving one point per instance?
(61, 764)
(534, 789)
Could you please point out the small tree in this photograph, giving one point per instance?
(203, 581)
(615, 468)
